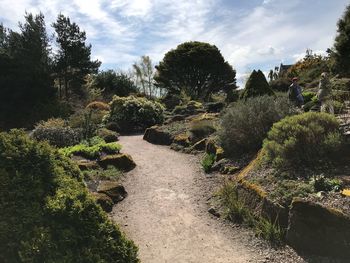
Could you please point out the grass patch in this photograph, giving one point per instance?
(238, 212)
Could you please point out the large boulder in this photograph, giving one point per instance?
(121, 161)
(182, 139)
(318, 230)
(112, 189)
(104, 201)
(200, 145)
(85, 164)
(156, 136)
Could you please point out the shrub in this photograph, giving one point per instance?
(190, 108)
(92, 149)
(111, 173)
(208, 162)
(98, 105)
(47, 213)
(308, 96)
(56, 132)
(280, 84)
(256, 85)
(133, 114)
(108, 135)
(309, 140)
(202, 129)
(246, 123)
(322, 183)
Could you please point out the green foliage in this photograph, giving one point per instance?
(309, 69)
(56, 132)
(308, 96)
(73, 60)
(108, 135)
(202, 129)
(92, 149)
(26, 77)
(238, 212)
(196, 68)
(322, 183)
(269, 230)
(189, 108)
(256, 85)
(281, 84)
(46, 211)
(245, 123)
(341, 52)
(113, 83)
(208, 162)
(310, 140)
(132, 114)
(111, 173)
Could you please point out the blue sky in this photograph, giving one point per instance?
(251, 34)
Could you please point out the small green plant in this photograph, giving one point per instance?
(322, 183)
(308, 96)
(208, 162)
(269, 230)
(92, 149)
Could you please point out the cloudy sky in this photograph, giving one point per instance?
(251, 34)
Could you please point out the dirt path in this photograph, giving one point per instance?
(166, 215)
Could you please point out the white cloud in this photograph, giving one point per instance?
(248, 37)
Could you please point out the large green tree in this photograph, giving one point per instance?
(26, 82)
(196, 68)
(256, 85)
(73, 60)
(341, 51)
(114, 83)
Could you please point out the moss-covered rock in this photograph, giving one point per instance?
(123, 162)
(319, 230)
(84, 165)
(220, 154)
(108, 135)
(182, 139)
(156, 136)
(104, 201)
(112, 189)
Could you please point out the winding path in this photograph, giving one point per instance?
(165, 212)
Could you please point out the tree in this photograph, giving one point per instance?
(196, 68)
(256, 86)
(112, 83)
(144, 72)
(73, 60)
(341, 50)
(25, 79)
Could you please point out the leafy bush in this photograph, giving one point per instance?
(280, 84)
(91, 149)
(246, 123)
(47, 213)
(190, 108)
(322, 183)
(132, 114)
(107, 135)
(256, 85)
(56, 132)
(90, 118)
(308, 96)
(202, 129)
(309, 140)
(208, 162)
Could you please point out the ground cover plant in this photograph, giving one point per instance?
(47, 212)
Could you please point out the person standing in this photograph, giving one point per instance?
(324, 94)
(295, 93)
